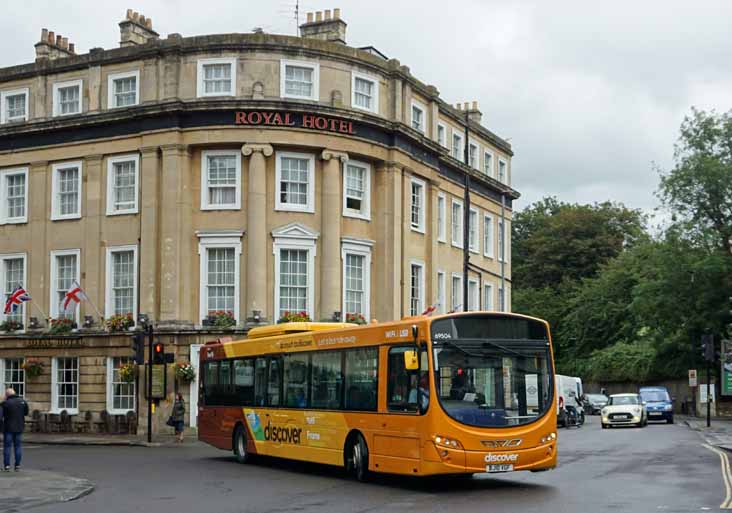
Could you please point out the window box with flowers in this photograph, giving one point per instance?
(184, 372)
(222, 319)
(120, 322)
(127, 372)
(10, 326)
(32, 367)
(294, 317)
(61, 326)
(355, 318)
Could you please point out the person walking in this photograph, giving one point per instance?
(179, 412)
(13, 412)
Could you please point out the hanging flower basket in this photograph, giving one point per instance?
(184, 372)
(127, 372)
(294, 317)
(223, 318)
(355, 318)
(10, 326)
(61, 326)
(120, 322)
(32, 367)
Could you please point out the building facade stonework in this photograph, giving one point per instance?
(253, 174)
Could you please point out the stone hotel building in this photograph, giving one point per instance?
(247, 173)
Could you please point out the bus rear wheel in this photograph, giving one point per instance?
(359, 458)
(240, 445)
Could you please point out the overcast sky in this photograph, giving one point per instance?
(590, 94)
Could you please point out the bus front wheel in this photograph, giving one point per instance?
(359, 458)
(240, 445)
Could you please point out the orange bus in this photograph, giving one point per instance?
(459, 393)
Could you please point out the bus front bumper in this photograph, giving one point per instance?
(439, 460)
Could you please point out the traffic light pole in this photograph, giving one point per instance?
(709, 393)
(149, 381)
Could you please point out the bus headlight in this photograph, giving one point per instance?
(548, 438)
(443, 441)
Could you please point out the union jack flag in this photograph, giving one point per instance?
(17, 298)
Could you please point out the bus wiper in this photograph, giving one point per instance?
(461, 349)
(483, 341)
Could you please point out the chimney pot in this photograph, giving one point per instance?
(310, 17)
(466, 106)
(337, 13)
(64, 42)
(51, 36)
(44, 34)
(129, 14)
(135, 16)
(327, 14)
(142, 20)
(72, 48)
(457, 106)
(58, 40)
(148, 23)
(318, 16)
(475, 105)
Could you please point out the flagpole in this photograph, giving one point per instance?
(101, 317)
(43, 314)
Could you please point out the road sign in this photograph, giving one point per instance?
(692, 378)
(725, 357)
(703, 393)
(159, 382)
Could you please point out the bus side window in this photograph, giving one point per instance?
(274, 385)
(402, 385)
(244, 381)
(260, 382)
(211, 382)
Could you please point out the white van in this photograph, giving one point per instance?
(569, 391)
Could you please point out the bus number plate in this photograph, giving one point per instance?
(499, 468)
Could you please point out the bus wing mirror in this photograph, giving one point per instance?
(411, 361)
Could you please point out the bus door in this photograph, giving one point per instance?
(397, 442)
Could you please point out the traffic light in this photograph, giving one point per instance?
(707, 347)
(158, 353)
(138, 345)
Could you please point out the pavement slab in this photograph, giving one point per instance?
(30, 488)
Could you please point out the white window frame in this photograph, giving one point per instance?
(3, 110)
(108, 300)
(53, 304)
(476, 165)
(492, 170)
(420, 228)
(110, 389)
(421, 107)
(205, 204)
(441, 217)
(297, 237)
(315, 66)
(200, 89)
(5, 384)
(56, 111)
(489, 233)
(365, 212)
(474, 246)
(374, 98)
(503, 237)
(459, 299)
(111, 161)
(473, 295)
(290, 207)
(440, 292)
(459, 242)
(358, 247)
(229, 239)
(13, 256)
(54, 386)
(111, 94)
(422, 306)
(55, 205)
(4, 173)
(488, 294)
(461, 152)
(498, 171)
(442, 126)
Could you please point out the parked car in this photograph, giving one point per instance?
(658, 403)
(624, 410)
(594, 403)
(569, 393)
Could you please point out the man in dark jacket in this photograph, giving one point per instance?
(14, 410)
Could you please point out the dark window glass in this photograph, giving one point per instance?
(244, 381)
(361, 383)
(327, 380)
(260, 382)
(296, 380)
(406, 389)
(275, 382)
(211, 381)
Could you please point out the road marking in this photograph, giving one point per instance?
(726, 476)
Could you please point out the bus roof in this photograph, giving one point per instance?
(288, 328)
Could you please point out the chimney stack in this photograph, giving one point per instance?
(474, 114)
(53, 46)
(136, 29)
(324, 26)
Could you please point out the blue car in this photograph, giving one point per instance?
(658, 403)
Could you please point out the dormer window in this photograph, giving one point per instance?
(67, 98)
(14, 106)
(124, 89)
(299, 79)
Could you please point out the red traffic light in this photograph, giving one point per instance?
(158, 348)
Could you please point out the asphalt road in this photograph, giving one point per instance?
(657, 468)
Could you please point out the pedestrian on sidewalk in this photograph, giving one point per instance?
(179, 412)
(13, 411)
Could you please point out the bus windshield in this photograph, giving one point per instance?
(492, 371)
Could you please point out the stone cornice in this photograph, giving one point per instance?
(264, 149)
(331, 154)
